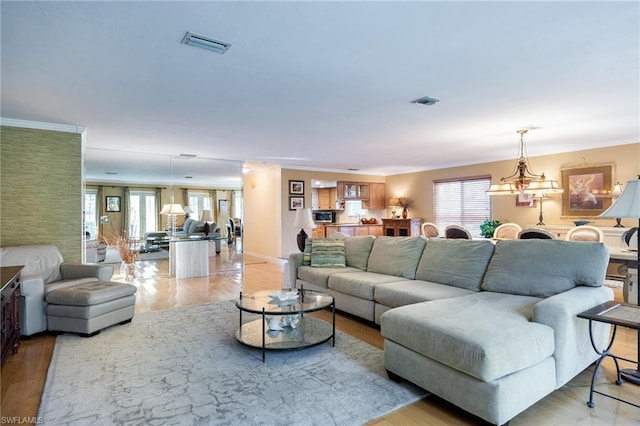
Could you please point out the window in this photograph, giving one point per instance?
(91, 213)
(462, 202)
(142, 213)
(199, 201)
(237, 204)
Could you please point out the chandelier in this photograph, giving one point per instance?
(524, 179)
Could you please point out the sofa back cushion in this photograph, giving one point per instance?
(397, 256)
(358, 250)
(542, 268)
(39, 260)
(460, 263)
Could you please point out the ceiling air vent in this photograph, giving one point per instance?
(425, 100)
(203, 42)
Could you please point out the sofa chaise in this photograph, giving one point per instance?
(491, 328)
(64, 297)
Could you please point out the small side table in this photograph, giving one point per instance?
(617, 314)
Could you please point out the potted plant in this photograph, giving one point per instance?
(488, 226)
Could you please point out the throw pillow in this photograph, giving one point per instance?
(306, 254)
(328, 253)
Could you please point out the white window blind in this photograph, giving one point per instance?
(462, 202)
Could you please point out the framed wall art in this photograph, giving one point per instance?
(586, 190)
(525, 200)
(113, 204)
(296, 203)
(296, 187)
(223, 206)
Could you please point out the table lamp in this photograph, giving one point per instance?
(628, 205)
(172, 210)
(303, 220)
(206, 218)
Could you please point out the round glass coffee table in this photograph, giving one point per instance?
(297, 331)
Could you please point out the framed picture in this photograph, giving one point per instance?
(586, 190)
(113, 204)
(525, 200)
(223, 206)
(296, 187)
(296, 203)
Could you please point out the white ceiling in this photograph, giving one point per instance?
(327, 85)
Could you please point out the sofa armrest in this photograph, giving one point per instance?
(295, 261)
(573, 351)
(83, 270)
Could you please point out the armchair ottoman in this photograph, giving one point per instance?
(88, 308)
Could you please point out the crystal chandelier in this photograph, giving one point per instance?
(523, 179)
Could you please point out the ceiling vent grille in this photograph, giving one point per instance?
(425, 100)
(207, 43)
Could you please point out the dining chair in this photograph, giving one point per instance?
(535, 233)
(507, 231)
(457, 232)
(430, 230)
(586, 233)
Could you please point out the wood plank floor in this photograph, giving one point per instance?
(24, 374)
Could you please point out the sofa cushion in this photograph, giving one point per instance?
(554, 266)
(486, 335)
(460, 263)
(358, 250)
(397, 256)
(320, 276)
(327, 253)
(360, 284)
(407, 292)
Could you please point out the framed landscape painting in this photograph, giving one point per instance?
(586, 190)
(113, 204)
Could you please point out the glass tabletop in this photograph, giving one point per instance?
(309, 301)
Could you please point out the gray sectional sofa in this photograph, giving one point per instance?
(492, 328)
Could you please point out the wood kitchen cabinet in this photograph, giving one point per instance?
(318, 231)
(401, 227)
(354, 230)
(376, 199)
(347, 190)
(326, 198)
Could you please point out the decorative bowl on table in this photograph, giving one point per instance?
(283, 295)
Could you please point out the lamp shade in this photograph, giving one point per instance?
(627, 204)
(617, 190)
(504, 188)
(172, 209)
(546, 186)
(303, 219)
(394, 202)
(206, 216)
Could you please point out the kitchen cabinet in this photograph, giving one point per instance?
(354, 230)
(326, 199)
(365, 191)
(318, 232)
(401, 227)
(376, 199)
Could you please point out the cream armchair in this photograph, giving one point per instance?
(44, 271)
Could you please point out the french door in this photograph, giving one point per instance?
(142, 213)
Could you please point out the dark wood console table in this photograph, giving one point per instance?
(10, 276)
(401, 227)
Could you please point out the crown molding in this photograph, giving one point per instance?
(12, 122)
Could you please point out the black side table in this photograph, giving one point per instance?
(617, 314)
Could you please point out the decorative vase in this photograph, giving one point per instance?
(128, 271)
(404, 213)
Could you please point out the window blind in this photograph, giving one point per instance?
(462, 202)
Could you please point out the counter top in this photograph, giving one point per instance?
(351, 224)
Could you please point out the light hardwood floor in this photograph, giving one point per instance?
(24, 374)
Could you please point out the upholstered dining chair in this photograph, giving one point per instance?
(457, 232)
(507, 231)
(585, 233)
(533, 233)
(430, 230)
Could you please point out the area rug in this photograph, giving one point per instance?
(185, 367)
(113, 255)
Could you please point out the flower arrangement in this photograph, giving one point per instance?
(405, 203)
(127, 248)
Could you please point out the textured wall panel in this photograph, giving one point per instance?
(41, 189)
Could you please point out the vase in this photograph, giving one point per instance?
(128, 271)
(404, 213)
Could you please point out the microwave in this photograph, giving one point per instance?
(324, 217)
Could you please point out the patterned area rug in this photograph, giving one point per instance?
(185, 367)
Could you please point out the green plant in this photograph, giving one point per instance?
(488, 226)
